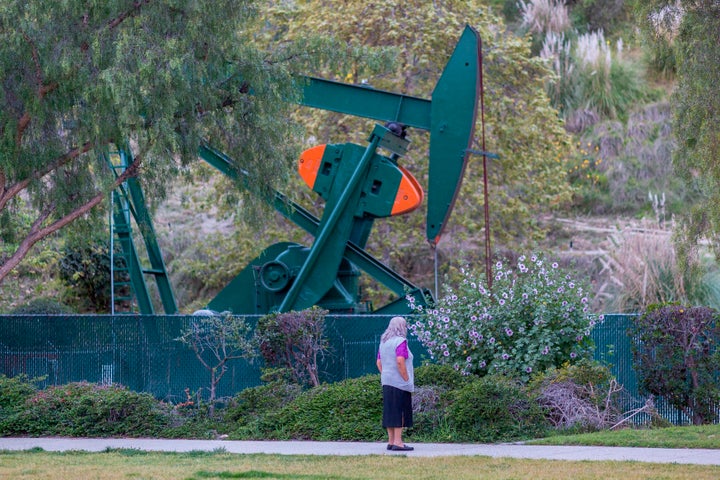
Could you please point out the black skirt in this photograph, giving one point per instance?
(397, 408)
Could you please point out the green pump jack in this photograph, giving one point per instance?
(359, 184)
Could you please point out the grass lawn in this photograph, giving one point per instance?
(133, 464)
(704, 436)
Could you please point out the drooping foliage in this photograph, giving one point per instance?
(80, 79)
(693, 30)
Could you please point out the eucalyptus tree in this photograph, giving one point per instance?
(79, 79)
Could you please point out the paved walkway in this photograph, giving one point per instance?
(654, 455)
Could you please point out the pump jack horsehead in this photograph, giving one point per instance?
(360, 184)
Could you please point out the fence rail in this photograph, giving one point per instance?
(142, 353)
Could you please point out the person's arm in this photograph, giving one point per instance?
(379, 365)
(402, 368)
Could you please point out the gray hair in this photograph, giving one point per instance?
(396, 328)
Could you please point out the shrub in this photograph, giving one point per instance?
(216, 341)
(347, 410)
(14, 391)
(252, 413)
(675, 355)
(534, 317)
(432, 382)
(294, 340)
(42, 306)
(86, 269)
(85, 409)
(443, 376)
(494, 408)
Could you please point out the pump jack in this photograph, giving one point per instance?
(358, 184)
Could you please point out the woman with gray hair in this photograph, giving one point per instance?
(395, 362)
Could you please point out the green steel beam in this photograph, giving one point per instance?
(123, 230)
(131, 193)
(365, 101)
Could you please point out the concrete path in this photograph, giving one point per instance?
(653, 455)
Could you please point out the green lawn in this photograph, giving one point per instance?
(131, 464)
(705, 436)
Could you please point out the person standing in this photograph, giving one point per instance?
(395, 362)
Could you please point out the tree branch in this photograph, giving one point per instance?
(125, 15)
(7, 193)
(37, 232)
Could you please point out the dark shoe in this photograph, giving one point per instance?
(404, 448)
(389, 447)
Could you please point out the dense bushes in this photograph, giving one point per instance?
(449, 407)
(42, 306)
(676, 356)
(83, 409)
(494, 408)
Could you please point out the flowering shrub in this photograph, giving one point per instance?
(534, 317)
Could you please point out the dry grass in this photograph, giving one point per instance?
(132, 464)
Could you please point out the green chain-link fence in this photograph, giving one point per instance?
(142, 353)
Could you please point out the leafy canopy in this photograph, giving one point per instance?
(79, 79)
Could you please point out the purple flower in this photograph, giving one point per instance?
(468, 359)
(492, 340)
(446, 353)
(508, 332)
(573, 354)
(528, 369)
(502, 302)
(505, 356)
(482, 364)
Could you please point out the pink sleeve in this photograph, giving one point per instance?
(402, 350)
